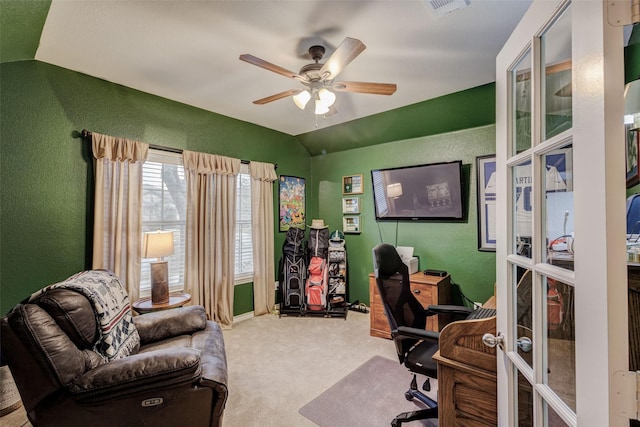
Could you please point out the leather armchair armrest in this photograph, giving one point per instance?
(133, 374)
(165, 324)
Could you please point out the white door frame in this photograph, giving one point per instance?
(601, 340)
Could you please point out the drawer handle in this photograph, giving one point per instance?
(416, 291)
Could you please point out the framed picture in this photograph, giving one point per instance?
(633, 173)
(350, 205)
(486, 182)
(291, 194)
(352, 184)
(351, 224)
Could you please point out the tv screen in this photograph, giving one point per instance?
(422, 192)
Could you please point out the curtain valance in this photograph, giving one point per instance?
(118, 149)
(206, 164)
(262, 171)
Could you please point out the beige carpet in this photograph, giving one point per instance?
(277, 365)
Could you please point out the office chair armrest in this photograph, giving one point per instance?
(415, 333)
(449, 309)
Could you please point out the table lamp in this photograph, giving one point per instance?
(158, 244)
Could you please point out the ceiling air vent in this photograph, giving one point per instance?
(445, 7)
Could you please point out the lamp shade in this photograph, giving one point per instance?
(394, 190)
(157, 244)
(327, 97)
(301, 99)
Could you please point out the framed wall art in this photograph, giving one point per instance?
(292, 202)
(350, 205)
(351, 224)
(486, 182)
(352, 184)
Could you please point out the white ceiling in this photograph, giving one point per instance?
(188, 51)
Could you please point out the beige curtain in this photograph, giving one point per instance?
(117, 223)
(262, 177)
(211, 224)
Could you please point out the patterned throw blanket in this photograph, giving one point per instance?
(118, 336)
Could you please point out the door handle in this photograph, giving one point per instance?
(491, 340)
(524, 344)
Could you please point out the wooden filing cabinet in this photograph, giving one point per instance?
(427, 289)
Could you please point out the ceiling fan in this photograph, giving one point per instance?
(317, 78)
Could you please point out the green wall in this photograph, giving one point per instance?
(450, 246)
(46, 175)
(46, 169)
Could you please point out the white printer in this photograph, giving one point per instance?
(406, 254)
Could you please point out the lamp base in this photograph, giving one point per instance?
(159, 282)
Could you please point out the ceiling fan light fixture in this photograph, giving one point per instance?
(327, 97)
(321, 108)
(301, 99)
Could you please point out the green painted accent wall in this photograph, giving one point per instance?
(461, 110)
(450, 246)
(243, 298)
(21, 23)
(46, 169)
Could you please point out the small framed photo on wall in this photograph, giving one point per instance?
(350, 205)
(351, 224)
(352, 184)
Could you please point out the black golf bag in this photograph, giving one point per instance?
(293, 269)
(316, 288)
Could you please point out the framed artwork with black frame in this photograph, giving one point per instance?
(486, 183)
(292, 202)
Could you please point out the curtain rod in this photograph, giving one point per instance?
(86, 134)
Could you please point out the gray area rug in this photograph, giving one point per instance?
(372, 395)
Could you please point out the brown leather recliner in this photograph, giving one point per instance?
(178, 377)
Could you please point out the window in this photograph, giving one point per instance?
(244, 242)
(164, 207)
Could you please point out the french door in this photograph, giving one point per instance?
(561, 256)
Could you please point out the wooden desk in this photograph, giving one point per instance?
(427, 289)
(467, 387)
(144, 305)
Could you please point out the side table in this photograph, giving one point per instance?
(144, 305)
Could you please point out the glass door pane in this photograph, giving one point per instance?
(521, 105)
(558, 207)
(557, 91)
(523, 209)
(560, 358)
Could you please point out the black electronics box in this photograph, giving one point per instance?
(440, 273)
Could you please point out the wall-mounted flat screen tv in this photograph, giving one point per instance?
(422, 192)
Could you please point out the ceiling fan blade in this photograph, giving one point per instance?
(277, 96)
(269, 66)
(348, 50)
(364, 87)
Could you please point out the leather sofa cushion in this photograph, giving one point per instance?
(73, 313)
(160, 325)
(48, 342)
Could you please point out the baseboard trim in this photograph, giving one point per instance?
(243, 316)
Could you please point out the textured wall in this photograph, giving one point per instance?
(46, 170)
(450, 246)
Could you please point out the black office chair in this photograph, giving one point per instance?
(407, 318)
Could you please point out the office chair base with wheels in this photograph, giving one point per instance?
(413, 393)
